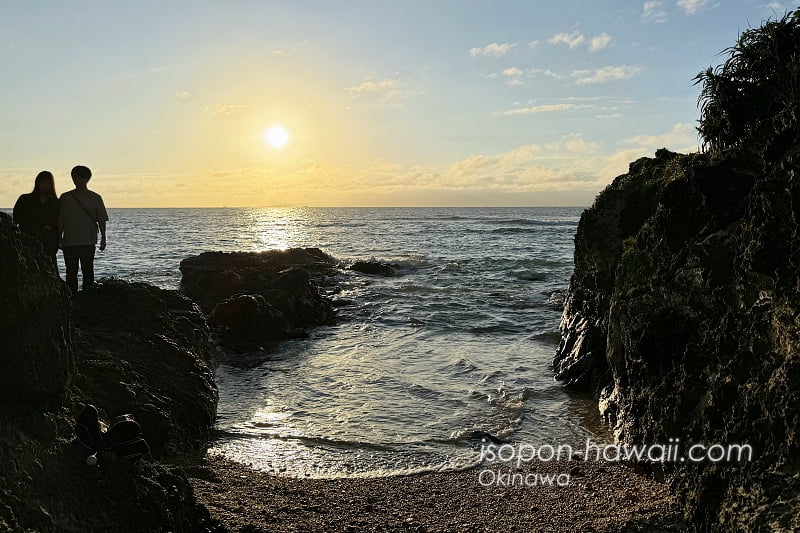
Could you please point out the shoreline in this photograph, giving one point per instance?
(600, 497)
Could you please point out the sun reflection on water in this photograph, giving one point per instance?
(276, 229)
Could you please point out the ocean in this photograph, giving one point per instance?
(461, 341)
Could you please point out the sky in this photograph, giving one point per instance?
(385, 103)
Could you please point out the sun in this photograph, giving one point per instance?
(276, 136)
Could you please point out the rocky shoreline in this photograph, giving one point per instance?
(134, 348)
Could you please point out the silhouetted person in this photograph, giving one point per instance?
(82, 215)
(37, 214)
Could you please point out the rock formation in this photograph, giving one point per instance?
(137, 350)
(257, 297)
(684, 316)
(374, 268)
(35, 338)
(144, 350)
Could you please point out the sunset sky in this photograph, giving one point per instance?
(386, 103)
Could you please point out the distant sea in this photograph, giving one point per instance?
(461, 341)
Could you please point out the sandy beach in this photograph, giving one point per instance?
(600, 497)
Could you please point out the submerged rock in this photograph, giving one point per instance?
(36, 353)
(255, 297)
(374, 268)
(682, 315)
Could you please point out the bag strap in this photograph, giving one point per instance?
(88, 214)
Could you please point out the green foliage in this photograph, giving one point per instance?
(752, 101)
(629, 245)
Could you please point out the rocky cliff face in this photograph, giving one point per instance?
(143, 350)
(137, 350)
(35, 337)
(683, 315)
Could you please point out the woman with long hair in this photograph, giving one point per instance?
(37, 213)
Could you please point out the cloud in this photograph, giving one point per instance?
(546, 108)
(533, 44)
(575, 143)
(570, 39)
(15, 182)
(372, 86)
(222, 110)
(605, 74)
(386, 91)
(570, 170)
(492, 50)
(653, 12)
(280, 53)
(572, 143)
(599, 42)
(605, 106)
(183, 95)
(515, 76)
(692, 7)
(576, 38)
(779, 8)
(682, 138)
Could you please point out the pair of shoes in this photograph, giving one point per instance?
(122, 440)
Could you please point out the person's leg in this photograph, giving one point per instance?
(87, 266)
(71, 258)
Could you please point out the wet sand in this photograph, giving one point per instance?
(600, 497)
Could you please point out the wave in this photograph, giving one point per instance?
(403, 262)
(309, 441)
(528, 275)
(533, 222)
(463, 365)
(550, 337)
(506, 327)
(510, 231)
(557, 299)
(497, 263)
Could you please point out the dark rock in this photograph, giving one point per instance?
(617, 214)
(682, 315)
(252, 318)
(376, 269)
(55, 491)
(144, 350)
(254, 297)
(139, 350)
(36, 355)
(212, 277)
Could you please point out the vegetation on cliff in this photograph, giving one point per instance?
(751, 103)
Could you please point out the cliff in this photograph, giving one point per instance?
(683, 317)
(129, 348)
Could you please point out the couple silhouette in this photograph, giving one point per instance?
(70, 222)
